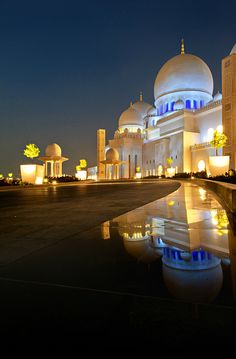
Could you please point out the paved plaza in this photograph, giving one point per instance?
(82, 262)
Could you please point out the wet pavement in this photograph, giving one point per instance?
(168, 265)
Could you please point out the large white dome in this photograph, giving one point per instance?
(130, 117)
(184, 77)
(183, 73)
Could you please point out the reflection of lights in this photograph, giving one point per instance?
(202, 193)
(171, 203)
(105, 229)
(219, 218)
(136, 236)
(222, 232)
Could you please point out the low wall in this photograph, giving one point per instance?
(225, 191)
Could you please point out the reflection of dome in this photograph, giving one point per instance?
(130, 117)
(179, 105)
(217, 96)
(196, 286)
(53, 150)
(112, 155)
(142, 250)
(183, 73)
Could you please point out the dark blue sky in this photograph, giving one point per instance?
(68, 68)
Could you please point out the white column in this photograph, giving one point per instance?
(60, 169)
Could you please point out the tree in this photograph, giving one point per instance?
(83, 164)
(219, 140)
(169, 161)
(31, 151)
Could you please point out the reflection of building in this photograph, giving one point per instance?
(179, 125)
(192, 276)
(53, 160)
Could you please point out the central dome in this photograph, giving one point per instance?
(182, 73)
(184, 77)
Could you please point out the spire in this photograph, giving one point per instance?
(131, 104)
(182, 47)
(141, 96)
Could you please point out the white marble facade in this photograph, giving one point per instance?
(179, 125)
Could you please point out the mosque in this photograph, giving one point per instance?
(179, 126)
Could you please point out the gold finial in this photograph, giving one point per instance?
(131, 104)
(141, 96)
(182, 47)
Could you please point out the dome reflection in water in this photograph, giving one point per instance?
(188, 232)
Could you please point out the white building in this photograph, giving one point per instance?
(181, 123)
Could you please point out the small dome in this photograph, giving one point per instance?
(142, 108)
(112, 155)
(53, 150)
(179, 105)
(217, 97)
(130, 117)
(233, 51)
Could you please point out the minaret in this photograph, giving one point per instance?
(229, 105)
(182, 47)
(101, 143)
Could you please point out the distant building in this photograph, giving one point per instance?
(53, 160)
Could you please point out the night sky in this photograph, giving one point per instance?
(68, 68)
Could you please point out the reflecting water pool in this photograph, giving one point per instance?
(180, 246)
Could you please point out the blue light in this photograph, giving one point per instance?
(188, 104)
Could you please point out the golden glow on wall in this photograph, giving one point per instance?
(210, 134)
(39, 180)
(218, 165)
(33, 174)
(81, 175)
(201, 166)
(219, 128)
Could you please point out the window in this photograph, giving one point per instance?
(188, 104)
(172, 105)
